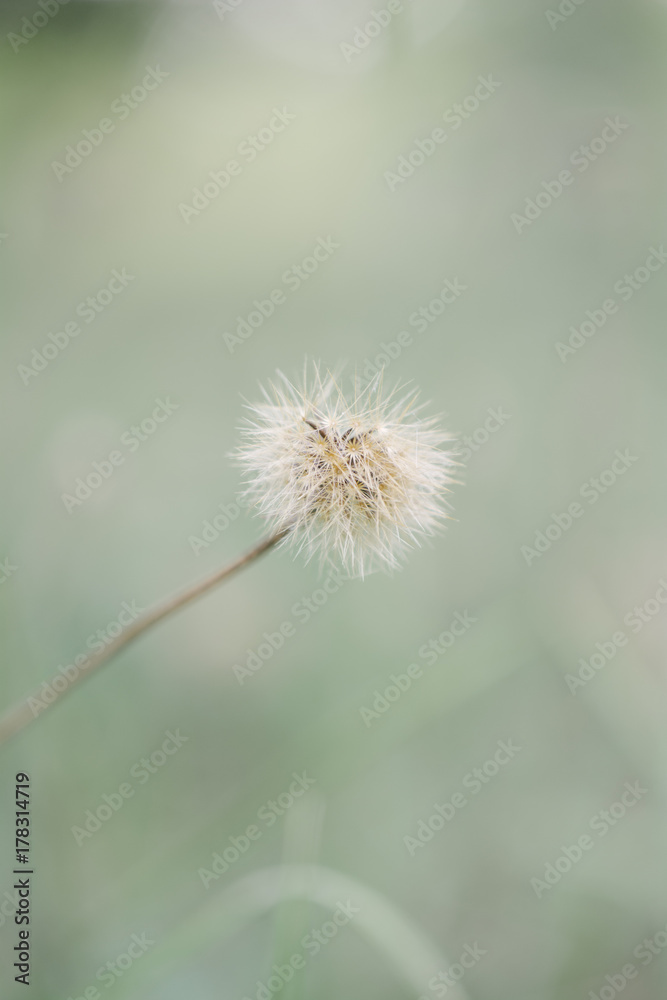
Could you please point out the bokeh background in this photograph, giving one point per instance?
(330, 175)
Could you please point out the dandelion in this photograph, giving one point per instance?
(359, 481)
(356, 480)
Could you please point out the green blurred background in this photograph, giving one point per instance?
(327, 175)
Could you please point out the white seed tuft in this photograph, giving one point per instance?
(356, 481)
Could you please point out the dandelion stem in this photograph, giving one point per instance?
(18, 717)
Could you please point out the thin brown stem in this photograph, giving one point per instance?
(18, 717)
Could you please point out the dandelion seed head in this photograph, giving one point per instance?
(356, 481)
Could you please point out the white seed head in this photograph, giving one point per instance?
(356, 481)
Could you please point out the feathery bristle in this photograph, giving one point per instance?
(354, 481)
